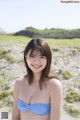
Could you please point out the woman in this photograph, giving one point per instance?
(38, 96)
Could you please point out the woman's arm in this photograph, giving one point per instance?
(15, 111)
(56, 95)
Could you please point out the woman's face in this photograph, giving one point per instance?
(36, 62)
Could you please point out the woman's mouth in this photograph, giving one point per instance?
(36, 66)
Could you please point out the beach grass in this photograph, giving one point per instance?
(54, 43)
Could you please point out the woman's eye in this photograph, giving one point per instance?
(42, 56)
(32, 56)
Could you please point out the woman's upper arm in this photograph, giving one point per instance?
(15, 111)
(56, 95)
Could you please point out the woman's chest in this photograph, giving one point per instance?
(32, 94)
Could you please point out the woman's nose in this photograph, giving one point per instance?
(37, 61)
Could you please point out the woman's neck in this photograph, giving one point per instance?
(36, 77)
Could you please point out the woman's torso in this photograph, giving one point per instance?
(30, 95)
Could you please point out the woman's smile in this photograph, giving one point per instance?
(36, 66)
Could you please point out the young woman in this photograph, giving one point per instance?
(38, 96)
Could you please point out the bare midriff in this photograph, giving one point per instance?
(32, 116)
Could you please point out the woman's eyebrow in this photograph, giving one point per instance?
(36, 54)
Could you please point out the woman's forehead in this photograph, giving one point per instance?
(35, 52)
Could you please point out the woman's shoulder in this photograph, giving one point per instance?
(19, 82)
(54, 84)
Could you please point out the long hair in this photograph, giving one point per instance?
(43, 47)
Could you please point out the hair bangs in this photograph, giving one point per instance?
(40, 49)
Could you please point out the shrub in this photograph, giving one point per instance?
(72, 96)
(74, 51)
(67, 75)
(10, 59)
(4, 85)
(5, 93)
(6, 100)
(3, 53)
(71, 110)
(55, 49)
(77, 85)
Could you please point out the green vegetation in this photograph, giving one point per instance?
(71, 109)
(77, 85)
(10, 59)
(72, 96)
(3, 53)
(4, 84)
(55, 49)
(5, 93)
(54, 43)
(10, 39)
(67, 75)
(49, 33)
(6, 99)
(74, 51)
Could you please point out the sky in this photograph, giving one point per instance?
(16, 15)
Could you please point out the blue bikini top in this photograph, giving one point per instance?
(37, 108)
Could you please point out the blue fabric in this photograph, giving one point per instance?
(37, 108)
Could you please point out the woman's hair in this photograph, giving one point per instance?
(43, 47)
